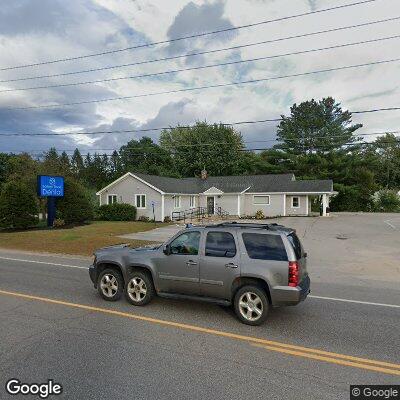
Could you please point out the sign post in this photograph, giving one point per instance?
(50, 187)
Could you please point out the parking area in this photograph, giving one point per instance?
(346, 248)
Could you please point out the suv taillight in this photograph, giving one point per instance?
(294, 270)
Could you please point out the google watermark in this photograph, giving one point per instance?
(43, 390)
(372, 392)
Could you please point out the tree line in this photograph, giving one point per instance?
(317, 140)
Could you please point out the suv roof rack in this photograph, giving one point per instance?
(234, 224)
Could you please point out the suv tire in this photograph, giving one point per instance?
(139, 288)
(251, 305)
(110, 284)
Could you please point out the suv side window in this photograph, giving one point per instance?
(187, 243)
(220, 244)
(264, 247)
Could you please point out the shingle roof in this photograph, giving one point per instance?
(238, 183)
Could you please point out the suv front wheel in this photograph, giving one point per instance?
(110, 284)
(251, 305)
(139, 288)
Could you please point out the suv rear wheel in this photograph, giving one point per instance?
(251, 305)
(139, 288)
(110, 284)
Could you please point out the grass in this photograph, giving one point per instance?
(81, 240)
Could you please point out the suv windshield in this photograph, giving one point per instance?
(295, 242)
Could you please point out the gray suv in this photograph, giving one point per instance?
(252, 266)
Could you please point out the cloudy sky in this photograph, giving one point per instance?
(36, 31)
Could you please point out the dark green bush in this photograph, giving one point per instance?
(143, 218)
(351, 198)
(117, 212)
(18, 206)
(76, 205)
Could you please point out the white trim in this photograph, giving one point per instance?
(213, 190)
(307, 205)
(295, 197)
(145, 201)
(245, 190)
(238, 210)
(262, 195)
(108, 198)
(284, 206)
(179, 201)
(125, 176)
(99, 199)
(291, 193)
(162, 208)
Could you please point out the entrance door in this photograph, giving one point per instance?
(210, 205)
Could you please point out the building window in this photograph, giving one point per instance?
(192, 201)
(261, 200)
(111, 198)
(295, 202)
(177, 201)
(140, 201)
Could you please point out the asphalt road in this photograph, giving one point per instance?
(103, 350)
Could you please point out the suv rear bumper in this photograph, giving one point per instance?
(290, 296)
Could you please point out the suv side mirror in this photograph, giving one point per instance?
(305, 254)
(167, 250)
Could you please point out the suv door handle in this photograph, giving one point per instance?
(190, 263)
(231, 265)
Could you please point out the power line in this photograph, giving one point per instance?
(314, 147)
(207, 87)
(190, 36)
(129, 150)
(204, 66)
(88, 133)
(201, 52)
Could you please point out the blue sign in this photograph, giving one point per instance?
(50, 186)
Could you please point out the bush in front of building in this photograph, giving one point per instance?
(386, 201)
(117, 212)
(144, 218)
(76, 205)
(19, 207)
(259, 214)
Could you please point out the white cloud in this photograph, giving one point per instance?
(37, 30)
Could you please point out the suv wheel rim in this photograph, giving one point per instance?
(251, 306)
(137, 289)
(109, 285)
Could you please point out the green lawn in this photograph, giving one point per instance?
(82, 240)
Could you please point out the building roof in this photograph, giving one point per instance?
(238, 183)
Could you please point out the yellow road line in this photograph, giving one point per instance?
(249, 339)
(330, 359)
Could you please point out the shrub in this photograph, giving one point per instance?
(386, 201)
(18, 206)
(167, 219)
(117, 212)
(259, 214)
(75, 206)
(58, 223)
(143, 218)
